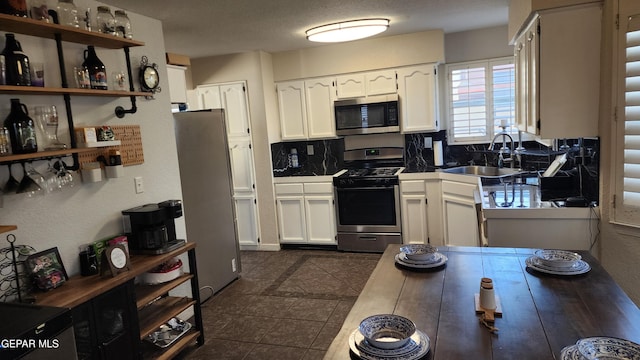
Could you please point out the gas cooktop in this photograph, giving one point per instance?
(371, 172)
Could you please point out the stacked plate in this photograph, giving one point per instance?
(388, 336)
(420, 256)
(558, 262)
(601, 347)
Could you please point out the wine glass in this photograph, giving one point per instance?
(47, 120)
(32, 181)
(64, 176)
(11, 186)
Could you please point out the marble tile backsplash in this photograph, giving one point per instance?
(319, 157)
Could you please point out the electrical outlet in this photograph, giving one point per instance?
(233, 265)
(139, 184)
(428, 143)
(310, 150)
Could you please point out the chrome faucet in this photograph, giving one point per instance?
(504, 149)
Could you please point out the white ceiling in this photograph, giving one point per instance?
(199, 28)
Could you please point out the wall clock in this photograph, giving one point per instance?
(149, 77)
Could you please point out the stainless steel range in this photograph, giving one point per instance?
(368, 199)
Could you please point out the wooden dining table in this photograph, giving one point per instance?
(541, 313)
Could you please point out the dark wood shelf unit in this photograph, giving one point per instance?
(27, 26)
(145, 294)
(159, 312)
(154, 352)
(35, 90)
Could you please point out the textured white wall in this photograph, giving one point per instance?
(90, 212)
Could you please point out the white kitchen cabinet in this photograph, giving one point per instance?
(417, 90)
(306, 109)
(460, 213)
(306, 213)
(413, 197)
(363, 84)
(177, 83)
(319, 98)
(232, 97)
(292, 108)
(558, 67)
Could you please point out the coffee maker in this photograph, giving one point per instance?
(151, 228)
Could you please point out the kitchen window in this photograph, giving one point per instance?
(480, 98)
(627, 165)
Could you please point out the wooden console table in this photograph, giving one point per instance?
(154, 308)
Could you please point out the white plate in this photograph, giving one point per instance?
(571, 353)
(442, 261)
(580, 267)
(602, 347)
(363, 345)
(419, 338)
(437, 257)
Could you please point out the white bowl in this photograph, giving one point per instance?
(557, 258)
(420, 252)
(387, 331)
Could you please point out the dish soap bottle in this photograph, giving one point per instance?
(22, 130)
(293, 158)
(17, 63)
(97, 71)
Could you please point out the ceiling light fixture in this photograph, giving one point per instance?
(347, 30)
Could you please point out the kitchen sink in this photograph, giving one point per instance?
(483, 171)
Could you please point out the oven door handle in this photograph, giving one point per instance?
(365, 187)
(368, 238)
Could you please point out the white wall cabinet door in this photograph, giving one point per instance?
(292, 110)
(291, 219)
(417, 89)
(414, 219)
(321, 219)
(381, 82)
(350, 86)
(319, 97)
(235, 104)
(177, 83)
(241, 158)
(209, 97)
(521, 61)
(531, 86)
(246, 219)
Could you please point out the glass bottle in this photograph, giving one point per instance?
(123, 25)
(67, 13)
(22, 130)
(105, 22)
(97, 71)
(17, 65)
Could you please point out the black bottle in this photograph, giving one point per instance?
(17, 63)
(22, 130)
(97, 71)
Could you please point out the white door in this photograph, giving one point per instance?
(246, 219)
(177, 83)
(418, 95)
(291, 219)
(209, 97)
(292, 110)
(460, 222)
(350, 86)
(321, 219)
(236, 107)
(532, 78)
(414, 219)
(241, 158)
(381, 82)
(320, 94)
(521, 63)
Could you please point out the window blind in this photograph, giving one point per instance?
(631, 173)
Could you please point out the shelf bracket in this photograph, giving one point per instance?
(120, 111)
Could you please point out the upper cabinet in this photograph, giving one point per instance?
(233, 99)
(371, 83)
(306, 108)
(417, 91)
(557, 57)
(177, 83)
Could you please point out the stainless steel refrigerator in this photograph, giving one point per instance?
(207, 197)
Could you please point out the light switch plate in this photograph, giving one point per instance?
(428, 143)
(310, 150)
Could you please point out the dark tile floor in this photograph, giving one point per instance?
(285, 305)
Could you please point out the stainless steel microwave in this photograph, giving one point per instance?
(370, 115)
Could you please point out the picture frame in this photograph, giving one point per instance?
(46, 269)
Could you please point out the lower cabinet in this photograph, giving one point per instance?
(306, 213)
(106, 327)
(460, 213)
(413, 197)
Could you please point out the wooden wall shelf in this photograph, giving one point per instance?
(7, 228)
(26, 26)
(42, 155)
(35, 90)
